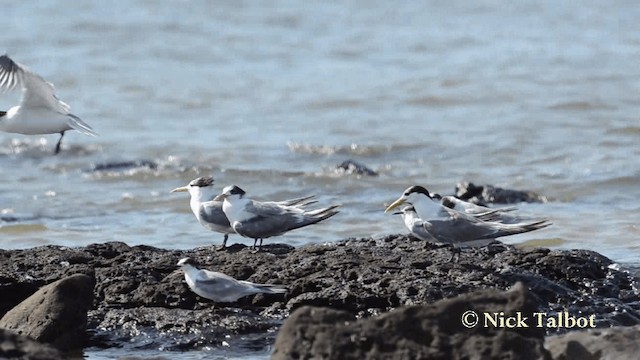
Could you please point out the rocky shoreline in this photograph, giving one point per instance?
(140, 300)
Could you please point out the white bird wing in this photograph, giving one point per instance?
(36, 91)
(10, 73)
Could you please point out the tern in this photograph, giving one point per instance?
(40, 111)
(504, 214)
(462, 231)
(209, 212)
(220, 287)
(429, 205)
(454, 203)
(260, 220)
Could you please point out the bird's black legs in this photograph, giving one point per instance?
(255, 241)
(58, 144)
(224, 243)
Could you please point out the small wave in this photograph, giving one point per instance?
(431, 101)
(22, 228)
(335, 104)
(351, 149)
(9, 217)
(41, 148)
(626, 130)
(139, 168)
(580, 105)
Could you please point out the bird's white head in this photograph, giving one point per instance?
(200, 188)
(413, 195)
(230, 193)
(187, 262)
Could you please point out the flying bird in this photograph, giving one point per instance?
(39, 111)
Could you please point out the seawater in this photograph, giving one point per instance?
(531, 95)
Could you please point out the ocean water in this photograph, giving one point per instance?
(271, 96)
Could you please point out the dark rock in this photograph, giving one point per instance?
(614, 343)
(486, 194)
(182, 329)
(56, 314)
(138, 289)
(416, 332)
(352, 167)
(124, 165)
(14, 346)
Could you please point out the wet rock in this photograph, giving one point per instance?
(139, 291)
(352, 167)
(14, 346)
(433, 331)
(10, 218)
(486, 194)
(124, 165)
(183, 329)
(56, 314)
(614, 343)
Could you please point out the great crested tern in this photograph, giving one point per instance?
(454, 203)
(503, 214)
(462, 229)
(209, 212)
(428, 206)
(423, 216)
(220, 287)
(40, 111)
(260, 220)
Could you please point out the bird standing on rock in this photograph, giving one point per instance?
(209, 212)
(259, 220)
(424, 220)
(466, 231)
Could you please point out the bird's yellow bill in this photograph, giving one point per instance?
(180, 189)
(394, 205)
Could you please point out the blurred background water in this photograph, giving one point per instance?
(271, 96)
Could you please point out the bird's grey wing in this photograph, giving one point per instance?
(211, 211)
(458, 229)
(299, 202)
(264, 288)
(213, 277)
(269, 219)
(222, 287)
(419, 230)
(215, 281)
